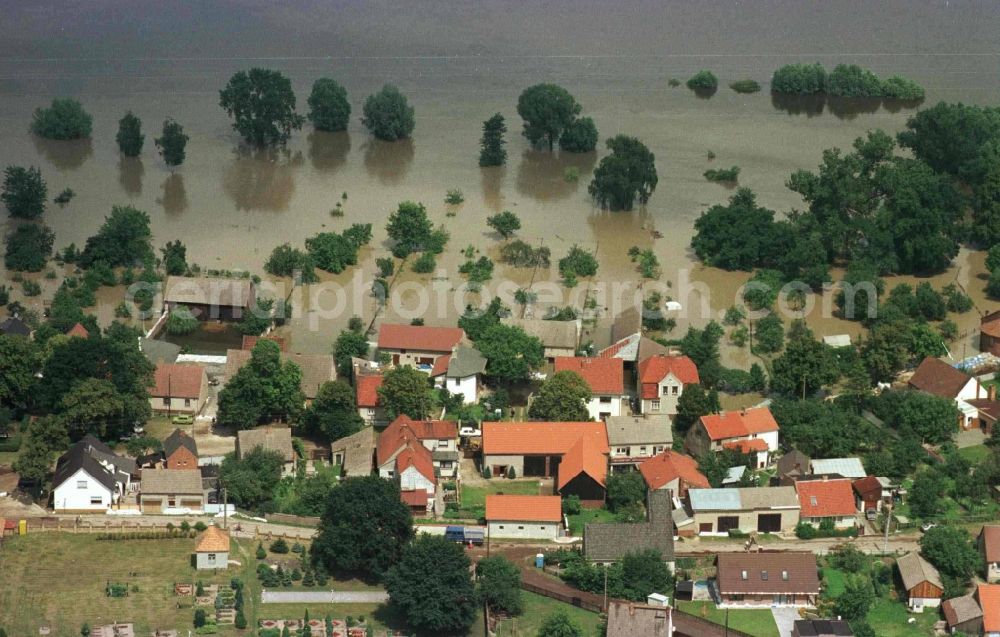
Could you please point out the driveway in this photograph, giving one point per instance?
(969, 438)
(785, 618)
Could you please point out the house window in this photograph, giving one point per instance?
(642, 450)
(784, 576)
(442, 444)
(81, 484)
(96, 499)
(187, 402)
(812, 500)
(606, 400)
(211, 557)
(171, 501)
(673, 390)
(763, 575)
(654, 405)
(744, 575)
(657, 449)
(541, 528)
(166, 401)
(501, 527)
(520, 528)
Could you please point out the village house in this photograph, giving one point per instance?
(934, 376)
(989, 546)
(278, 439)
(460, 372)
(78, 331)
(403, 458)
(790, 467)
(822, 500)
(355, 453)
(162, 490)
(628, 343)
(534, 517)
(180, 451)
(635, 439)
(661, 380)
(989, 333)
(558, 338)
(606, 379)
(418, 346)
(212, 549)
(921, 581)
(673, 472)
(989, 600)
(439, 437)
(179, 388)
(821, 628)
(609, 542)
(751, 509)
(316, 369)
(872, 493)
(963, 614)
(574, 453)
(751, 432)
(766, 579)
(838, 468)
(90, 477)
(210, 298)
(15, 326)
(366, 395)
(629, 619)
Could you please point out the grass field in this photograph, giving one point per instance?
(537, 608)
(975, 454)
(586, 516)
(889, 618)
(834, 581)
(474, 497)
(757, 622)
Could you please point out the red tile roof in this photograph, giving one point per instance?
(177, 380)
(825, 498)
(934, 376)
(419, 338)
(991, 542)
(747, 445)
(655, 368)
(403, 429)
(605, 376)
(414, 497)
(540, 438)
(417, 456)
(869, 488)
(367, 390)
(737, 424)
(249, 341)
(670, 465)
(440, 365)
(78, 330)
(524, 508)
(989, 600)
(585, 456)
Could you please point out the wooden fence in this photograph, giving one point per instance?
(573, 600)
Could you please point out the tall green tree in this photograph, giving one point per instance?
(491, 146)
(405, 390)
(24, 192)
(250, 481)
(626, 489)
(349, 344)
(736, 236)
(951, 550)
(410, 228)
(172, 143)
(547, 109)
(805, 367)
(264, 389)
(64, 119)
(562, 397)
(624, 176)
(694, 402)
(262, 105)
(511, 354)
(122, 240)
(95, 406)
(559, 624)
(364, 528)
(20, 360)
(29, 247)
(334, 412)
(43, 439)
(174, 257)
(580, 136)
(329, 109)
(130, 138)
(446, 601)
(498, 583)
(506, 223)
(388, 115)
(857, 598)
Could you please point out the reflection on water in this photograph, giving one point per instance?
(64, 154)
(388, 161)
(848, 108)
(262, 179)
(894, 105)
(705, 93)
(808, 105)
(328, 151)
(845, 108)
(491, 179)
(130, 171)
(542, 175)
(210, 338)
(174, 199)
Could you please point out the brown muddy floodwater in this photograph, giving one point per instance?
(459, 63)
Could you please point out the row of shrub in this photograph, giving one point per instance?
(846, 80)
(806, 531)
(144, 535)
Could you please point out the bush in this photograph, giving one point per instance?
(571, 505)
(241, 621)
(29, 247)
(850, 80)
(181, 321)
(799, 79)
(261, 553)
(703, 81)
(31, 288)
(511, 473)
(723, 174)
(580, 136)
(521, 255)
(424, 264)
(487, 473)
(286, 260)
(279, 546)
(64, 197)
(901, 88)
(200, 526)
(745, 86)
(578, 262)
(64, 119)
(454, 197)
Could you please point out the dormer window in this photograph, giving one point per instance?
(784, 576)
(812, 500)
(763, 576)
(744, 575)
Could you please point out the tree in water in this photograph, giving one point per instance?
(492, 151)
(130, 137)
(172, 143)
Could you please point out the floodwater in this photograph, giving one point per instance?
(459, 63)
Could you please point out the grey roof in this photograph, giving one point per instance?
(822, 628)
(846, 467)
(745, 499)
(316, 368)
(445, 454)
(209, 291)
(159, 351)
(638, 430)
(359, 452)
(558, 334)
(629, 620)
(787, 463)
(103, 453)
(959, 610)
(171, 481)
(465, 361)
(838, 340)
(734, 475)
(270, 438)
(610, 542)
(80, 456)
(179, 439)
(914, 569)
(14, 326)
(627, 323)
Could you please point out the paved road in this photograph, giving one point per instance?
(324, 597)
(784, 618)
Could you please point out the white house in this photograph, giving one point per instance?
(606, 379)
(937, 377)
(535, 517)
(750, 431)
(90, 478)
(661, 382)
(438, 437)
(417, 345)
(366, 395)
(212, 550)
(460, 372)
(634, 439)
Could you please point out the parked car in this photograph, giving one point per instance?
(470, 432)
(182, 419)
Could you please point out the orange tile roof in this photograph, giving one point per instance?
(991, 542)
(403, 429)
(367, 390)
(747, 445)
(655, 368)
(177, 380)
(419, 338)
(213, 540)
(736, 424)
(825, 498)
(249, 341)
(440, 365)
(526, 508)
(79, 331)
(417, 456)
(539, 438)
(989, 600)
(585, 456)
(605, 376)
(669, 466)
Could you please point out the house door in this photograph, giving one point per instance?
(769, 523)
(395, 359)
(728, 522)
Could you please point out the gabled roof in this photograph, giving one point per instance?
(767, 572)
(628, 619)
(358, 450)
(177, 380)
(419, 338)
(171, 481)
(586, 456)
(655, 368)
(524, 508)
(868, 488)
(316, 368)
(552, 334)
(366, 390)
(989, 600)
(604, 376)
(440, 365)
(669, 466)
(78, 331)
(465, 361)
(937, 377)
(78, 457)
(739, 424)
(990, 537)
(14, 326)
(213, 540)
(540, 438)
(634, 347)
(269, 438)
(179, 439)
(822, 628)
(747, 445)
(826, 498)
(638, 430)
(417, 456)
(403, 429)
(914, 570)
(793, 463)
(844, 467)
(959, 610)
(747, 498)
(604, 542)
(414, 497)
(208, 291)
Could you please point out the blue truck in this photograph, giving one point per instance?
(465, 534)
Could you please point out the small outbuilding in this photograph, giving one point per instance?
(212, 550)
(537, 517)
(921, 581)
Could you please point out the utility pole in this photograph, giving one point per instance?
(605, 588)
(225, 508)
(888, 521)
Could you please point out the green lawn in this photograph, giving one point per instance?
(889, 618)
(834, 581)
(474, 497)
(586, 516)
(537, 608)
(757, 622)
(8, 457)
(975, 454)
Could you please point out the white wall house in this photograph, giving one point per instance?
(83, 492)
(535, 517)
(412, 480)
(90, 477)
(466, 386)
(460, 372)
(606, 379)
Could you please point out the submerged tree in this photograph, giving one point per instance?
(627, 174)
(329, 109)
(262, 105)
(388, 115)
(24, 192)
(547, 110)
(130, 137)
(492, 151)
(172, 143)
